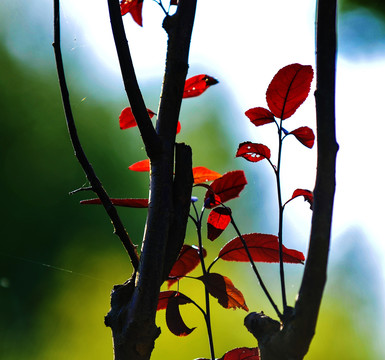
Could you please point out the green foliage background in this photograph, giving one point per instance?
(59, 260)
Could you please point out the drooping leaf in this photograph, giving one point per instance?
(134, 7)
(127, 119)
(187, 261)
(253, 152)
(305, 135)
(133, 203)
(243, 353)
(260, 116)
(174, 319)
(164, 297)
(217, 222)
(262, 247)
(289, 89)
(225, 188)
(307, 194)
(196, 85)
(143, 165)
(202, 174)
(224, 290)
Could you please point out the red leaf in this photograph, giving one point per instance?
(217, 222)
(127, 119)
(196, 85)
(178, 127)
(143, 165)
(202, 174)
(187, 261)
(243, 353)
(134, 7)
(289, 89)
(164, 297)
(174, 2)
(305, 135)
(307, 194)
(262, 247)
(225, 188)
(253, 152)
(224, 290)
(133, 203)
(174, 320)
(260, 116)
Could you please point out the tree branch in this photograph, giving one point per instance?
(79, 152)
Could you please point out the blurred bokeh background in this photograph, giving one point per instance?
(59, 260)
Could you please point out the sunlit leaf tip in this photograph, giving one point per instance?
(198, 84)
(141, 166)
(202, 174)
(253, 152)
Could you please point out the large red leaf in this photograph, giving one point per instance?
(187, 261)
(253, 152)
(134, 203)
(289, 89)
(260, 116)
(224, 290)
(196, 85)
(202, 174)
(307, 194)
(143, 165)
(134, 7)
(305, 135)
(217, 222)
(243, 353)
(127, 119)
(262, 247)
(174, 319)
(225, 188)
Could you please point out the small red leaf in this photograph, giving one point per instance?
(164, 297)
(305, 135)
(260, 116)
(196, 85)
(143, 165)
(202, 174)
(289, 89)
(225, 188)
(307, 194)
(253, 152)
(224, 290)
(262, 247)
(178, 127)
(134, 7)
(243, 353)
(133, 203)
(127, 119)
(187, 261)
(174, 320)
(217, 222)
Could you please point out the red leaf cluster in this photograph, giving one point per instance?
(225, 188)
(305, 135)
(198, 84)
(133, 203)
(253, 152)
(217, 222)
(262, 247)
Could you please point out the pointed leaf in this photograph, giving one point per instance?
(243, 353)
(134, 7)
(217, 222)
(187, 261)
(127, 119)
(260, 116)
(196, 85)
(262, 247)
(164, 297)
(289, 89)
(307, 194)
(253, 152)
(133, 203)
(174, 319)
(305, 135)
(143, 165)
(224, 290)
(202, 174)
(225, 188)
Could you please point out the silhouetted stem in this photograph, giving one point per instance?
(78, 149)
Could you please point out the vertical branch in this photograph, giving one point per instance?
(79, 152)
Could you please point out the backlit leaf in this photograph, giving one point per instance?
(305, 135)
(174, 319)
(307, 194)
(127, 119)
(224, 290)
(202, 174)
(196, 85)
(243, 353)
(164, 297)
(225, 188)
(217, 222)
(133, 203)
(134, 7)
(143, 165)
(289, 89)
(262, 247)
(178, 127)
(253, 152)
(187, 261)
(260, 116)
